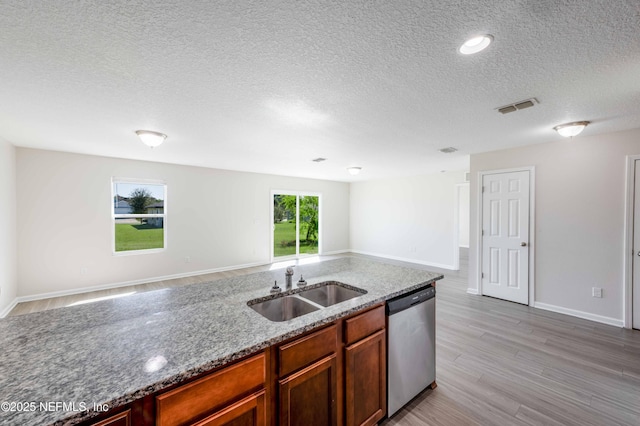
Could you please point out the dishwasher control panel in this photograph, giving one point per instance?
(407, 300)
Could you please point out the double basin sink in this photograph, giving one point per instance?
(290, 306)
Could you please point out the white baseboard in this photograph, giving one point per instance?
(70, 292)
(473, 291)
(9, 308)
(581, 314)
(404, 259)
(464, 247)
(332, 253)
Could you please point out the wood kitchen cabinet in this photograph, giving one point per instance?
(218, 398)
(365, 368)
(308, 379)
(309, 397)
(336, 375)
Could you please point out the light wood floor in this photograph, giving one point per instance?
(499, 363)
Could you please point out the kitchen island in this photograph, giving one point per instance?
(67, 365)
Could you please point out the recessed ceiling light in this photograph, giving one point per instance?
(570, 130)
(448, 150)
(151, 138)
(476, 44)
(354, 170)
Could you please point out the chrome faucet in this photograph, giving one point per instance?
(288, 278)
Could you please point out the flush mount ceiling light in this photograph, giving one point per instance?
(151, 138)
(570, 130)
(354, 170)
(476, 44)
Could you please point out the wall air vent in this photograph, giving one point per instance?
(448, 150)
(516, 106)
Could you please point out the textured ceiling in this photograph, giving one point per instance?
(267, 86)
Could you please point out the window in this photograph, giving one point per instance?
(139, 216)
(296, 224)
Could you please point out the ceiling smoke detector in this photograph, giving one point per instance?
(448, 150)
(516, 106)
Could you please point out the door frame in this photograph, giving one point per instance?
(532, 246)
(627, 272)
(456, 224)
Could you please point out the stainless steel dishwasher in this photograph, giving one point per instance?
(412, 346)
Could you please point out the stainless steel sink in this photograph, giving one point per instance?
(283, 308)
(330, 294)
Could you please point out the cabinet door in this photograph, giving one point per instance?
(250, 411)
(308, 397)
(366, 380)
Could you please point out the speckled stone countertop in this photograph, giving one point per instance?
(57, 365)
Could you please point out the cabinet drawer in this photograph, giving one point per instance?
(306, 350)
(120, 419)
(249, 411)
(193, 400)
(363, 325)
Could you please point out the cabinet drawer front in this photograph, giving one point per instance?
(193, 400)
(121, 419)
(249, 411)
(306, 350)
(363, 325)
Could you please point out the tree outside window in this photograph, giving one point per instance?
(138, 216)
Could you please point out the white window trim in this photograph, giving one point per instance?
(115, 216)
(320, 238)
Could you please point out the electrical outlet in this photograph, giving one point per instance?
(596, 292)
(83, 271)
(187, 259)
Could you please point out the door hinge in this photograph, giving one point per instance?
(483, 232)
(482, 275)
(483, 189)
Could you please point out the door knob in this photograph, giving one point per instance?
(525, 244)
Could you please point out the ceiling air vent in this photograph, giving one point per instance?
(448, 150)
(319, 160)
(527, 103)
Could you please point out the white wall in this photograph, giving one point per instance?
(8, 248)
(218, 218)
(579, 220)
(408, 218)
(463, 215)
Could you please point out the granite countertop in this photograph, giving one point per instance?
(60, 366)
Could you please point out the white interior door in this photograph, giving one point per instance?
(636, 249)
(505, 236)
